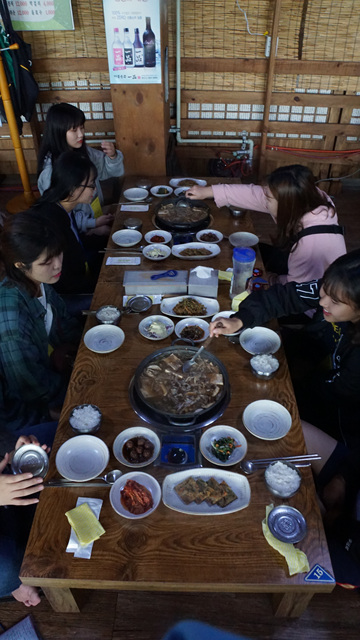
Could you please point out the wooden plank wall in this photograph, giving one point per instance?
(312, 118)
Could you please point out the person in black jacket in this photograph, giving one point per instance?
(72, 183)
(328, 349)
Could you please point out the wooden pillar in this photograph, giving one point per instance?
(142, 118)
(269, 88)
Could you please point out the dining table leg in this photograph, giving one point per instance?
(290, 605)
(61, 600)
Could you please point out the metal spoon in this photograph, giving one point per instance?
(108, 478)
(249, 466)
(189, 363)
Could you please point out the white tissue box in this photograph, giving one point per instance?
(207, 287)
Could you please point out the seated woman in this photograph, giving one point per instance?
(337, 476)
(64, 131)
(32, 317)
(308, 236)
(72, 183)
(17, 491)
(328, 390)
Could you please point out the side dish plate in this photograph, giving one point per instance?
(223, 431)
(267, 420)
(238, 483)
(183, 182)
(213, 249)
(104, 338)
(167, 305)
(82, 458)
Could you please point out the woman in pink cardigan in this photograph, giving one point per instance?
(308, 236)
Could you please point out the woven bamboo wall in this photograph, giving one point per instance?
(212, 31)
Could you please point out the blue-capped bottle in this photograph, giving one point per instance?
(243, 265)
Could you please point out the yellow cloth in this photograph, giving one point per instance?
(96, 207)
(225, 275)
(85, 524)
(238, 299)
(296, 560)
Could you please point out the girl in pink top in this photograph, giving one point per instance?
(308, 236)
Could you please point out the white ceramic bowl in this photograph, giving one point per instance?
(82, 458)
(104, 338)
(147, 481)
(191, 322)
(163, 249)
(126, 237)
(147, 322)
(204, 232)
(156, 232)
(181, 191)
(136, 432)
(155, 190)
(223, 431)
(259, 341)
(136, 194)
(267, 420)
(243, 239)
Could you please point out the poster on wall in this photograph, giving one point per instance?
(41, 15)
(133, 41)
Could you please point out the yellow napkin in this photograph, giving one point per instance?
(225, 275)
(96, 207)
(296, 560)
(238, 299)
(85, 524)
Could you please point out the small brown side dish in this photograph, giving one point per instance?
(138, 450)
(192, 332)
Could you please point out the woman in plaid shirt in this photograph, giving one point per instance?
(33, 323)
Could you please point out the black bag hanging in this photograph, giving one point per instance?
(23, 87)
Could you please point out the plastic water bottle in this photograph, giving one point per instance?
(243, 265)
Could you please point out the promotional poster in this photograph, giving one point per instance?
(41, 15)
(133, 41)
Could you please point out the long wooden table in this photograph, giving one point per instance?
(170, 550)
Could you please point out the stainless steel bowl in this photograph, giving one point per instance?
(259, 372)
(236, 212)
(108, 314)
(286, 493)
(30, 458)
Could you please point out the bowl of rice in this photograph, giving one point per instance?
(282, 478)
(85, 419)
(108, 314)
(264, 366)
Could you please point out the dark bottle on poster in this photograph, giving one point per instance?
(128, 49)
(138, 50)
(149, 45)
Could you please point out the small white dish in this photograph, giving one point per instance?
(213, 249)
(243, 239)
(135, 432)
(161, 191)
(267, 420)
(136, 194)
(176, 182)
(236, 481)
(192, 322)
(104, 338)
(159, 234)
(225, 314)
(145, 324)
(204, 232)
(126, 237)
(167, 305)
(82, 458)
(259, 341)
(223, 431)
(142, 478)
(156, 252)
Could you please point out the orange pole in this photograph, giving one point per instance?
(14, 133)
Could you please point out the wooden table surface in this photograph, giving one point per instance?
(169, 550)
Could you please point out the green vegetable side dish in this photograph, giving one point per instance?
(223, 448)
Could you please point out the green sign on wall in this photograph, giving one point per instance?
(41, 15)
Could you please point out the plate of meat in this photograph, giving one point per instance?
(135, 495)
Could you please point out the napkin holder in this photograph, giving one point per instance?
(203, 281)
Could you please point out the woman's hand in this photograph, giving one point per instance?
(222, 326)
(14, 488)
(106, 219)
(199, 193)
(30, 440)
(109, 149)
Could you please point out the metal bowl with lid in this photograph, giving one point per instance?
(175, 215)
(30, 458)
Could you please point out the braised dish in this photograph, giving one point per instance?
(137, 450)
(189, 307)
(181, 213)
(165, 387)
